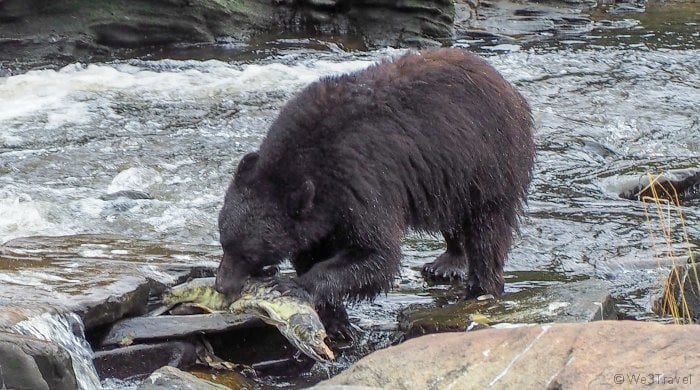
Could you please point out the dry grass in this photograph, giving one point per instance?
(664, 216)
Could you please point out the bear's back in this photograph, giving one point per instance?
(423, 133)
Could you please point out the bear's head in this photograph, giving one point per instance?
(261, 223)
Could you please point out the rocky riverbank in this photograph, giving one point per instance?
(43, 33)
(36, 33)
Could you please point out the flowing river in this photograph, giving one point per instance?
(611, 104)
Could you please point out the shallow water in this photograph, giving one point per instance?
(611, 101)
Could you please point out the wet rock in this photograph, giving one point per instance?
(139, 33)
(150, 328)
(555, 356)
(531, 20)
(127, 303)
(127, 194)
(677, 186)
(381, 22)
(137, 361)
(681, 295)
(30, 363)
(578, 301)
(170, 378)
(103, 278)
(46, 33)
(228, 378)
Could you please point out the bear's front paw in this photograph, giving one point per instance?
(338, 327)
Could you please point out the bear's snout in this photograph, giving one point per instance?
(229, 280)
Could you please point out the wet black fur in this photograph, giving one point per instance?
(436, 142)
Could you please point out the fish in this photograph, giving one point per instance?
(294, 317)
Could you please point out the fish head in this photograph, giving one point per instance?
(309, 336)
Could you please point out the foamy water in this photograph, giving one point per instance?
(170, 129)
(67, 331)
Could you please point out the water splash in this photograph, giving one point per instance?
(66, 330)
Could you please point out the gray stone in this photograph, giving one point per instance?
(128, 302)
(30, 363)
(170, 378)
(141, 360)
(150, 328)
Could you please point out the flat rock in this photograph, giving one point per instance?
(150, 328)
(170, 378)
(143, 359)
(601, 354)
(579, 301)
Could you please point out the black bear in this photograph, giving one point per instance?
(435, 141)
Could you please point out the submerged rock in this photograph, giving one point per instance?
(579, 301)
(30, 363)
(677, 186)
(554, 356)
(170, 378)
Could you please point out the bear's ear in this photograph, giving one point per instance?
(245, 167)
(301, 201)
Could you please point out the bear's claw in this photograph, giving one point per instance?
(441, 273)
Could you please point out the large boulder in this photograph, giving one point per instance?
(570, 356)
(30, 363)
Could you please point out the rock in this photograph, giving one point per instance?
(681, 295)
(677, 186)
(102, 278)
(39, 33)
(143, 359)
(501, 19)
(584, 300)
(30, 363)
(570, 356)
(116, 306)
(127, 194)
(170, 327)
(229, 378)
(170, 378)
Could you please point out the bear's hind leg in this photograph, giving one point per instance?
(489, 237)
(451, 265)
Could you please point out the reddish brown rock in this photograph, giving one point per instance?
(569, 356)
